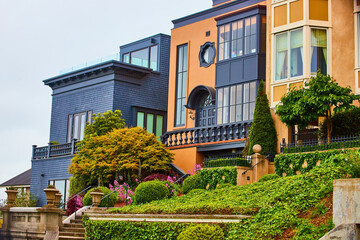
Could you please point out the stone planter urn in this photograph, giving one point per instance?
(50, 196)
(11, 196)
(57, 198)
(96, 198)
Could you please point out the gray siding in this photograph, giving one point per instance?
(51, 169)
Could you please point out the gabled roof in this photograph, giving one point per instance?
(20, 180)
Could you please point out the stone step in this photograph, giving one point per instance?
(73, 229)
(73, 225)
(76, 221)
(70, 238)
(73, 234)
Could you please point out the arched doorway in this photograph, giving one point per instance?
(202, 100)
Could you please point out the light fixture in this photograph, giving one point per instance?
(191, 115)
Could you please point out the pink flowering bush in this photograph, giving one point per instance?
(197, 168)
(123, 192)
(159, 176)
(74, 204)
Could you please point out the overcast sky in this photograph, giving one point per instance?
(38, 38)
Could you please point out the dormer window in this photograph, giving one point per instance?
(146, 57)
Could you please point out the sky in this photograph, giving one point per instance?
(38, 38)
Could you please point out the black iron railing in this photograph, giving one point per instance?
(226, 160)
(55, 150)
(217, 133)
(320, 144)
(266, 157)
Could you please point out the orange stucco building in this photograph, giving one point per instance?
(218, 56)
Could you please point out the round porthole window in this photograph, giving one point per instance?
(207, 54)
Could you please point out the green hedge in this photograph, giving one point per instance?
(322, 147)
(284, 161)
(210, 178)
(226, 162)
(150, 191)
(190, 183)
(109, 230)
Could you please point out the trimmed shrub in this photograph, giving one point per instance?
(196, 191)
(202, 232)
(224, 185)
(190, 183)
(87, 200)
(210, 178)
(268, 177)
(150, 191)
(263, 130)
(344, 124)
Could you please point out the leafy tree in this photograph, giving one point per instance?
(320, 96)
(104, 123)
(262, 130)
(344, 123)
(122, 151)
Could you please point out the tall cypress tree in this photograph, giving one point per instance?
(263, 130)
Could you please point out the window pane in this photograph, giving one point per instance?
(159, 125)
(154, 57)
(246, 93)
(140, 57)
(225, 114)
(252, 91)
(140, 119)
(318, 51)
(60, 185)
(221, 34)
(226, 96)
(239, 92)
(253, 43)
(296, 53)
(227, 32)
(126, 58)
(226, 50)
(184, 81)
(246, 112)
(234, 30)
(253, 25)
(240, 47)
(252, 109)
(185, 57)
(220, 97)
(281, 56)
(89, 115)
(238, 113)
(233, 48)
(180, 59)
(247, 26)
(76, 127)
(233, 95)
(232, 114)
(183, 103)
(221, 51)
(82, 126)
(219, 116)
(70, 126)
(240, 29)
(150, 123)
(181, 85)
(247, 44)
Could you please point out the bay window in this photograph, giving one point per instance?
(238, 38)
(236, 103)
(152, 121)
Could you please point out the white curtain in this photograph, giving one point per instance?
(281, 56)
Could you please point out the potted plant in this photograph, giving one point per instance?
(11, 195)
(50, 192)
(96, 197)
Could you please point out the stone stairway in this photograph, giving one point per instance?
(72, 230)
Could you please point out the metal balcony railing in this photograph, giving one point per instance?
(54, 150)
(216, 133)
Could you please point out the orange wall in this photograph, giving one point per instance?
(186, 158)
(194, 36)
(343, 46)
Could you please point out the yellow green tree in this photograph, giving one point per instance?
(126, 151)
